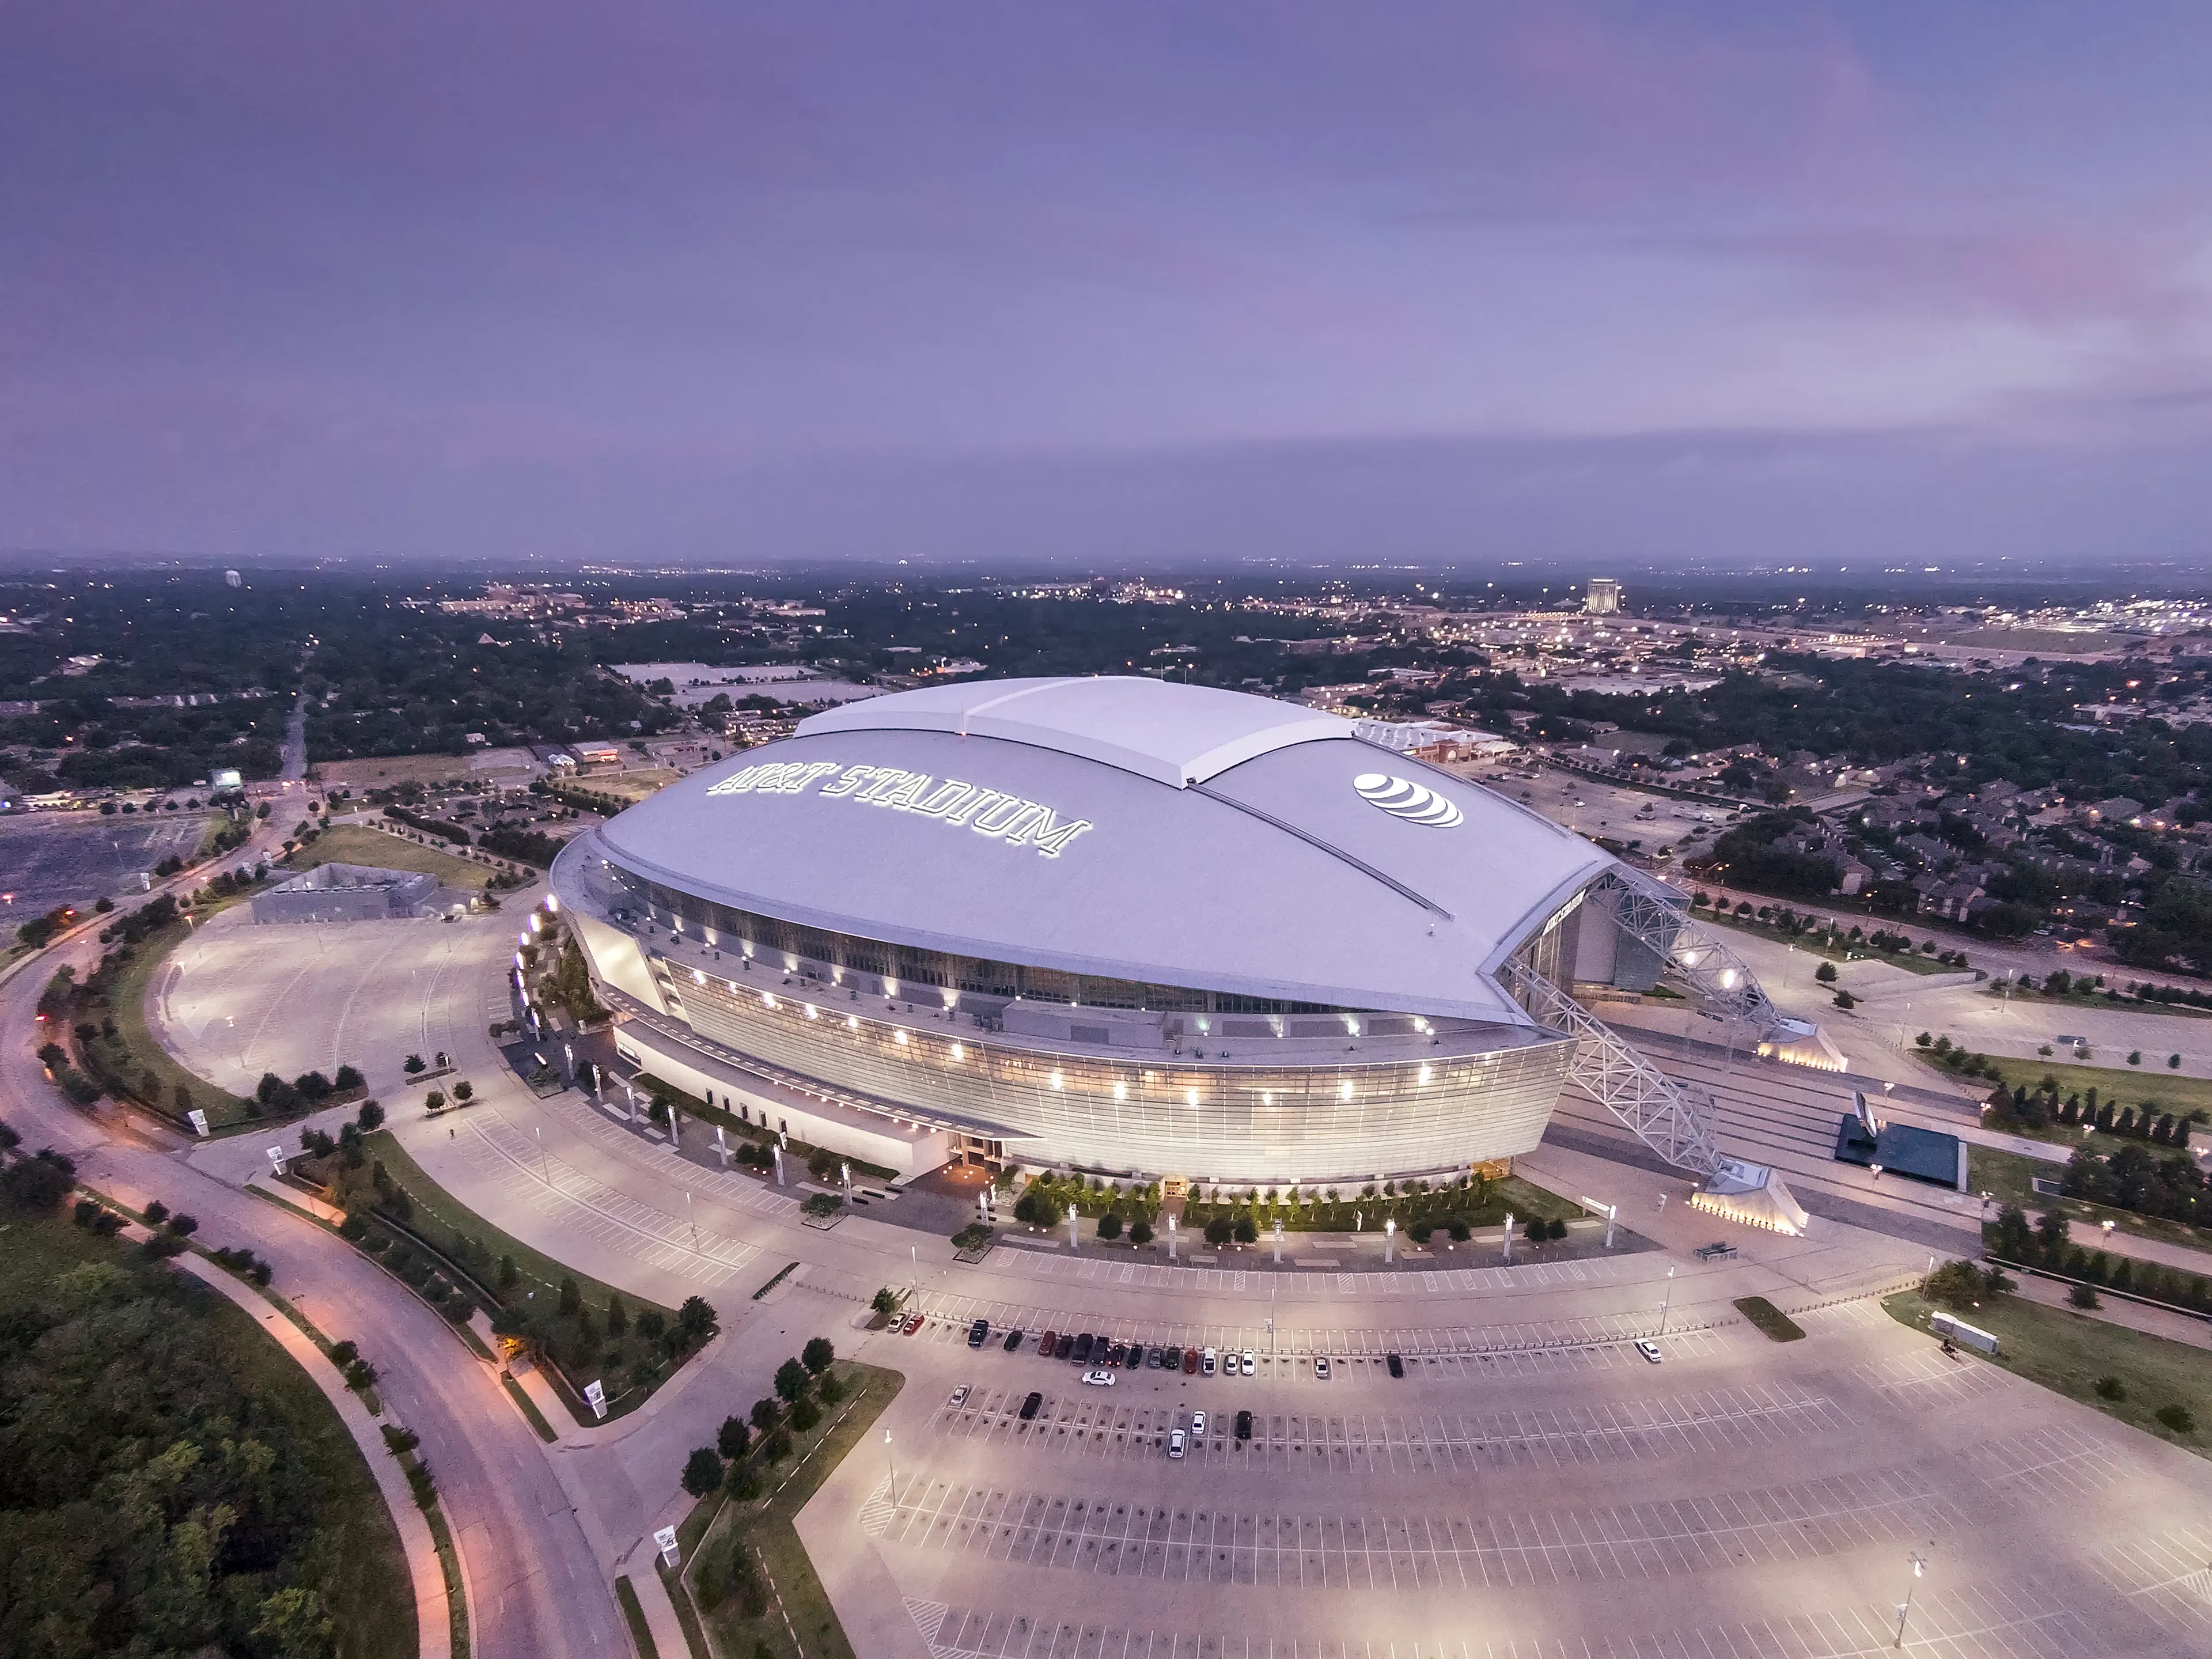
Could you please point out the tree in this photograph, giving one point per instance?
(734, 1438)
(2177, 1420)
(434, 1100)
(818, 1353)
(790, 1379)
(1140, 1232)
(414, 1065)
(766, 1413)
(509, 1278)
(2174, 1062)
(1109, 1225)
(1219, 1229)
(347, 1078)
(1825, 972)
(885, 1301)
(464, 1091)
(697, 1319)
(2051, 1229)
(1247, 1231)
(617, 1315)
(370, 1117)
(702, 1472)
(572, 1295)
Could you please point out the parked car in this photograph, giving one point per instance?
(1649, 1349)
(1320, 1367)
(1248, 1364)
(1045, 1345)
(1198, 1425)
(1030, 1405)
(1013, 1341)
(1067, 1343)
(1174, 1442)
(1118, 1354)
(914, 1321)
(977, 1332)
(1397, 1366)
(1083, 1345)
(1205, 1363)
(1099, 1379)
(1243, 1425)
(1189, 1361)
(959, 1397)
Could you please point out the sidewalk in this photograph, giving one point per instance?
(434, 1629)
(2113, 1310)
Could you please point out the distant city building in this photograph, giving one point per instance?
(1603, 598)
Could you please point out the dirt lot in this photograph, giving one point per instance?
(500, 765)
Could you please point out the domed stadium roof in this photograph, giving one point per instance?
(1127, 828)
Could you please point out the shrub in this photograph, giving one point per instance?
(414, 1065)
(347, 1078)
(1422, 1230)
(830, 1388)
(1825, 972)
(2085, 1296)
(2178, 1418)
(1109, 1226)
(651, 1324)
(697, 1319)
(39, 1184)
(1558, 1228)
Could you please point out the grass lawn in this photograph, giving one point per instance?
(2130, 1085)
(2005, 1177)
(1911, 960)
(144, 1053)
(432, 1203)
(1766, 1317)
(370, 1590)
(765, 1524)
(2098, 999)
(348, 843)
(2071, 1352)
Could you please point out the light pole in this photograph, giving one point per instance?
(691, 1216)
(892, 1465)
(1904, 1607)
(544, 1169)
(1666, 1301)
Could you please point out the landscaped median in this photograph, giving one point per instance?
(578, 1329)
(745, 1586)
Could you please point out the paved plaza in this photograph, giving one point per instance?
(1531, 1486)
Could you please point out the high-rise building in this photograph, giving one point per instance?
(232, 579)
(1603, 598)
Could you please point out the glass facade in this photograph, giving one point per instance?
(1229, 1122)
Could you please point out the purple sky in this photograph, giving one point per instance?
(1470, 281)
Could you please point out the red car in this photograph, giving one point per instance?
(913, 1323)
(1189, 1361)
(1044, 1344)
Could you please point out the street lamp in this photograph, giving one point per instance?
(1666, 1301)
(892, 1467)
(1904, 1607)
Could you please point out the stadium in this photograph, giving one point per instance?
(1124, 927)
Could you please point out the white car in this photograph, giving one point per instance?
(1099, 1379)
(1649, 1349)
(1198, 1425)
(1248, 1364)
(1207, 1363)
(1174, 1442)
(959, 1397)
(1320, 1367)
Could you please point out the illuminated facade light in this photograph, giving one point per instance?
(900, 1038)
(768, 999)
(1058, 1082)
(812, 1013)
(1120, 1091)
(698, 978)
(1344, 1091)
(1191, 1096)
(959, 1052)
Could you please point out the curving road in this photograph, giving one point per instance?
(536, 1586)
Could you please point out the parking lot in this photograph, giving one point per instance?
(1737, 1497)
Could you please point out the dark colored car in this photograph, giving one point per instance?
(1031, 1406)
(1013, 1341)
(1397, 1366)
(1067, 1343)
(1118, 1354)
(1156, 1356)
(977, 1332)
(1190, 1362)
(1044, 1344)
(1243, 1425)
(1083, 1345)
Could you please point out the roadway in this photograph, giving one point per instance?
(535, 1581)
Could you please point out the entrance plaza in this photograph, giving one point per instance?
(1531, 1486)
